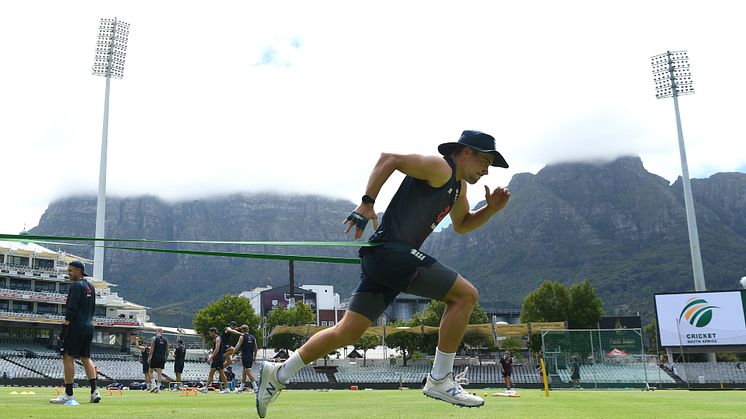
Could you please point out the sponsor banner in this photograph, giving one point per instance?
(701, 318)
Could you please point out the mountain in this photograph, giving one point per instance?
(176, 286)
(613, 223)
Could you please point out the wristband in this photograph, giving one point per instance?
(367, 199)
(358, 219)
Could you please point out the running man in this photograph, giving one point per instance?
(216, 360)
(434, 186)
(157, 360)
(248, 347)
(77, 332)
(179, 356)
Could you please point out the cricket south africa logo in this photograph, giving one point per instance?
(697, 311)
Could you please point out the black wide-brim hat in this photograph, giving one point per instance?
(478, 141)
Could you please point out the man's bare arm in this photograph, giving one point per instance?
(432, 169)
(465, 221)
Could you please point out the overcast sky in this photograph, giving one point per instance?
(302, 96)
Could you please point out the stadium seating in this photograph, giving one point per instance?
(705, 372)
(11, 370)
(618, 373)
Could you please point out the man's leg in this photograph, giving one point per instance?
(224, 379)
(344, 333)
(274, 376)
(252, 378)
(228, 357)
(460, 302)
(68, 364)
(90, 372)
(209, 377)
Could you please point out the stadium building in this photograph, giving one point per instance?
(33, 290)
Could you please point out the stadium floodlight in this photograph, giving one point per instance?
(673, 78)
(111, 50)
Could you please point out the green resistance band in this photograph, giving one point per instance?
(300, 258)
(34, 238)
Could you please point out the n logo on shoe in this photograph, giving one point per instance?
(270, 389)
(454, 391)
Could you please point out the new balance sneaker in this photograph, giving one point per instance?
(269, 387)
(95, 397)
(449, 390)
(62, 399)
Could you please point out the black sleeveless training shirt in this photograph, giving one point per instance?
(416, 209)
(160, 347)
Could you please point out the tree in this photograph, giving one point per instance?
(548, 303)
(651, 331)
(367, 342)
(432, 315)
(513, 345)
(586, 308)
(222, 311)
(299, 315)
(405, 342)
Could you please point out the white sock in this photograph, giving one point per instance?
(443, 364)
(290, 367)
(253, 384)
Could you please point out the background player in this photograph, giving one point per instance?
(157, 360)
(247, 346)
(216, 360)
(77, 332)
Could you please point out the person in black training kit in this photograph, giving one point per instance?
(179, 355)
(248, 347)
(216, 360)
(158, 354)
(227, 339)
(77, 332)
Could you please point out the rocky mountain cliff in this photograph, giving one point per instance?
(613, 223)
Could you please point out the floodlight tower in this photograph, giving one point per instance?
(672, 78)
(111, 50)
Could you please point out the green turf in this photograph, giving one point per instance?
(408, 404)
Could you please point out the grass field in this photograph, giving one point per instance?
(408, 404)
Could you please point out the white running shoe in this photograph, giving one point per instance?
(225, 391)
(269, 387)
(449, 390)
(64, 398)
(95, 397)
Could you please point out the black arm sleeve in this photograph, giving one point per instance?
(73, 301)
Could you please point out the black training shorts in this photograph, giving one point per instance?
(77, 345)
(157, 363)
(217, 362)
(391, 268)
(247, 362)
(179, 367)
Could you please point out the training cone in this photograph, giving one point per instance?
(14, 392)
(31, 392)
(72, 403)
